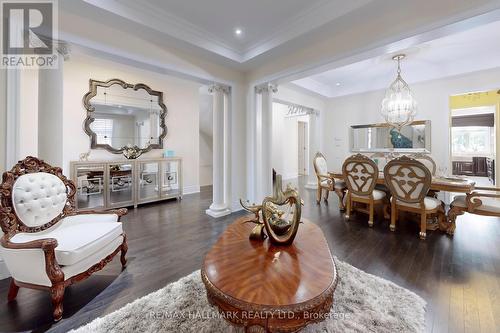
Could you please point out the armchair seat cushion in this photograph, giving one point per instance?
(429, 202)
(377, 195)
(489, 204)
(78, 236)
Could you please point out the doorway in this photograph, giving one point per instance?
(302, 148)
(473, 143)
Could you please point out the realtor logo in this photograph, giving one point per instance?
(28, 29)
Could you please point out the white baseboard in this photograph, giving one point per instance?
(235, 206)
(190, 189)
(4, 272)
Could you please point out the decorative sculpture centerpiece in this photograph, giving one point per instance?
(278, 216)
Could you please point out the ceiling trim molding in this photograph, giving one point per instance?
(86, 47)
(389, 45)
(159, 20)
(306, 21)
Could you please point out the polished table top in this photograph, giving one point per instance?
(287, 286)
(261, 273)
(448, 184)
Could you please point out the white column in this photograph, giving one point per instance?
(10, 97)
(264, 174)
(50, 109)
(314, 131)
(13, 108)
(218, 207)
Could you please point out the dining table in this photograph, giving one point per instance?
(452, 184)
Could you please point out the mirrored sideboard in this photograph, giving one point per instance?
(124, 183)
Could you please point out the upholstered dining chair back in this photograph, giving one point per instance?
(39, 195)
(360, 174)
(408, 179)
(426, 160)
(320, 166)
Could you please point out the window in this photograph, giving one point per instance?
(472, 140)
(103, 128)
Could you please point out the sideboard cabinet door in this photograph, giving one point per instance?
(120, 185)
(90, 182)
(171, 179)
(148, 181)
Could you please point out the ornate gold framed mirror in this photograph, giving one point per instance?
(124, 118)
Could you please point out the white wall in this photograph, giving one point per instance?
(206, 137)
(433, 104)
(285, 142)
(285, 130)
(180, 97)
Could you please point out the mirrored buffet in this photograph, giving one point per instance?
(123, 183)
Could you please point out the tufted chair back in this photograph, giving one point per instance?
(34, 196)
(320, 166)
(360, 174)
(38, 198)
(408, 179)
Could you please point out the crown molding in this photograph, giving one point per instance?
(161, 20)
(308, 20)
(164, 22)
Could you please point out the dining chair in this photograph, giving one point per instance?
(483, 201)
(426, 160)
(409, 182)
(327, 182)
(361, 174)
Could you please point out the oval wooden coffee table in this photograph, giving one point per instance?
(268, 288)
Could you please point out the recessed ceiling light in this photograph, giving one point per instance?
(238, 31)
(337, 84)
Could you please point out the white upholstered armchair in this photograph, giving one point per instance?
(48, 244)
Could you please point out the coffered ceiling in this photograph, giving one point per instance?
(211, 25)
(468, 51)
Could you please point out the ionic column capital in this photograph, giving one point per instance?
(266, 87)
(63, 48)
(217, 87)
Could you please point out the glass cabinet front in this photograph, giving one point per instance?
(149, 181)
(120, 184)
(89, 186)
(170, 180)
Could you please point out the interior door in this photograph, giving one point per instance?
(302, 147)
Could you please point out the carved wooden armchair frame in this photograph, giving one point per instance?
(327, 182)
(361, 173)
(11, 225)
(409, 182)
(473, 205)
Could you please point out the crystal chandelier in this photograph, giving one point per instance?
(399, 107)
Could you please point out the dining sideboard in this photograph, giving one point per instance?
(125, 183)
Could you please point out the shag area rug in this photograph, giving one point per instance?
(362, 303)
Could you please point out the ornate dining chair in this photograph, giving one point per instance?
(409, 182)
(47, 243)
(426, 160)
(361, 174)
(326, 181)
(479, 203)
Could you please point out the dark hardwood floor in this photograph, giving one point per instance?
(459, 277)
